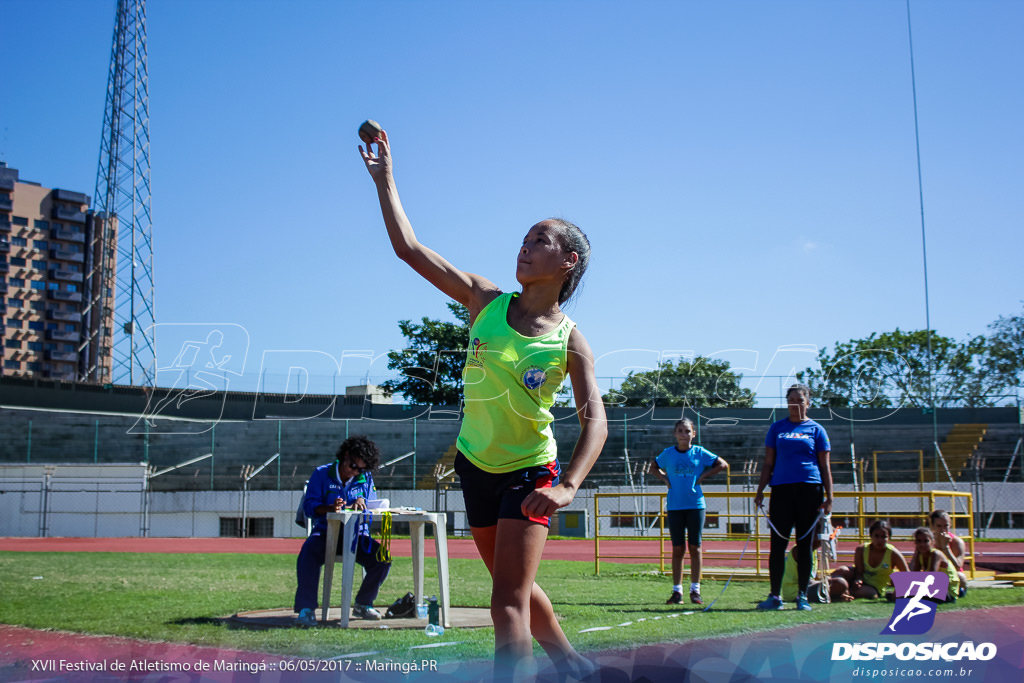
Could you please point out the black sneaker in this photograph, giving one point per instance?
(695, 598)
(675, 599)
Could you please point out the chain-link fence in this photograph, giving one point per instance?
(42, 501)
(228, 477)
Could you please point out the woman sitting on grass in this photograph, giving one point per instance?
(838, 586)
(927, 559)
(873, 564)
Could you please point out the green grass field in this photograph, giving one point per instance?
(182, 598)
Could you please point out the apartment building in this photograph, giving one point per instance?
(48, 246)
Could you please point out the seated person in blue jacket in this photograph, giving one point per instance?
(346, 483)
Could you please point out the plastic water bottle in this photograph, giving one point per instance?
(434, 627)
(433, 611)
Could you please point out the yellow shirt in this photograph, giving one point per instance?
(878, 577)
(511, 382)
(790, 582)
(925, 565)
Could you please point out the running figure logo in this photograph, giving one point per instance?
(917, 594)
(206, 358)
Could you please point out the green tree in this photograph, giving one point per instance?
(1005, 357)
(700, 383)
(432, 364)
(891, 370)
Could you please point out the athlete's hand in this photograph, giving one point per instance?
(942, 540)
(827, 506)
(758, 498)
(544, 502)
(379, 164)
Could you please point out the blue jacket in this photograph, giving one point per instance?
(325, 487)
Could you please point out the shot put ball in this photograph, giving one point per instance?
(369, 131)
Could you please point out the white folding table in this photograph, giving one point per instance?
(349, 521)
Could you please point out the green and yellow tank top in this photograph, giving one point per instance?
(878, 577)
(790, 577)
(511, 382)
(925, 564)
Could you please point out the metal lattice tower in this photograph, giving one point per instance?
(120, 271)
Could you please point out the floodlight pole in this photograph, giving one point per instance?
(924, 252)
(119, 342)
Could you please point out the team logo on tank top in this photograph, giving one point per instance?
(534, 378)
(476, 360)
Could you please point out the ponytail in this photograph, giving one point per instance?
(573, 240)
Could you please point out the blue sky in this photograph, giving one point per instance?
(746, 171)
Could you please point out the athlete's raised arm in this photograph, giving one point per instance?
(470, 290)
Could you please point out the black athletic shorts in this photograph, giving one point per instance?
(683, 522)
(492, 496)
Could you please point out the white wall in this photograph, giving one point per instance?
(110, 501)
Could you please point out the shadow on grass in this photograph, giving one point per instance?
(694, 610)
(233, 623)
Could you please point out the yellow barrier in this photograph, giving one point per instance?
(742, 525)
(920, 466)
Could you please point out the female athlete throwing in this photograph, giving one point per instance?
(522, 347)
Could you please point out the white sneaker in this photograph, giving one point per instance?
(365, 612)
(307, 617)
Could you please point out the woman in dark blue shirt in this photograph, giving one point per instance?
(796, 465)
(345, 484)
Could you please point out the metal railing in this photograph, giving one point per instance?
(855, 511)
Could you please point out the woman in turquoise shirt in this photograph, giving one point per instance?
(683, 467)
